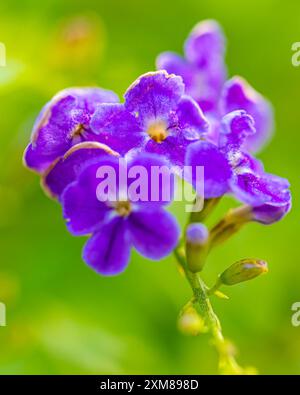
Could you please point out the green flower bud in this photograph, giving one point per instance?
(196, 246)
(243, 270)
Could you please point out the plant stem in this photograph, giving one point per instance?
(208, 207)
(227, 363)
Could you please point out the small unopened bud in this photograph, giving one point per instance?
(243, 270)
(196, 246)
(190, 323)
(196, 234)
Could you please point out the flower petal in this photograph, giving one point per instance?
(202, 84)
(173, 149)
(50, 134)
(242, 162)
(89, 98)
(82, 209)
(153, 95)
(175, 64)
(108, 251)
(67, 168)
(189, 119)
(217, 171)
(204, 49)
(151, 182)
(153, 233)
(235, 128)
(117, 127)
(239, 95)
(63, 122)
(268, 214)
(205, 45)
(258, 189)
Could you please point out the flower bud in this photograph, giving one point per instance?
(230, 224)
(243, 270)
(197, 234)
(196, 246)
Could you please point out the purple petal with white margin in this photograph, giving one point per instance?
(258, 189)
(117, 127)
(239, 95)
(108, 251)
(50, 134)
(235, 128)
(55, 129)
(153, 95)
(67, 168)
(153, 233)
(89, 98)
(217, 171)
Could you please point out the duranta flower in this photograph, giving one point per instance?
(118, 222)
(157, 117)
(62, 123)
(229, 169)
(204, 74)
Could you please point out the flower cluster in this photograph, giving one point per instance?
(184, 114)
(204, 73)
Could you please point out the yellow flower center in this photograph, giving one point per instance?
(123, 208)
(157, 131)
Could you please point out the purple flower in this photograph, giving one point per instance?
(62, 123)
(156, 117)
(202, 69)
(228, 169)
(117, 221)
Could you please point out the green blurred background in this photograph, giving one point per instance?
(61, 316)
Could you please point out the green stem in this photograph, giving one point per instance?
(224, 229)
(214, 288)
(227, 363)
(208, 207)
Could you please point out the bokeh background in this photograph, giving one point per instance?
(61, 316)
